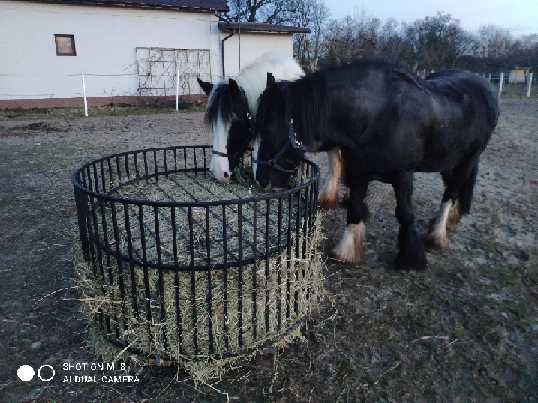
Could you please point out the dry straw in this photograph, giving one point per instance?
(205, 321)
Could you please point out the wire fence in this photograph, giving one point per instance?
(513, 84)
(176, 84)
(509, 84)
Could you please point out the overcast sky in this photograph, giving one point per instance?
(520, 16)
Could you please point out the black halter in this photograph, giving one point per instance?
(292, 142)
(250, 127)
(214, 152)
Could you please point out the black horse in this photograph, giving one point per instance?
(388, 124)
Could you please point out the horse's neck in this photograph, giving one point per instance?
(253, 79)
(253, 90)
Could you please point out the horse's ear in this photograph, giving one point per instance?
(234, 88)
(270, 80)
(206, 86)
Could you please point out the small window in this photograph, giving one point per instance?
(65, 45)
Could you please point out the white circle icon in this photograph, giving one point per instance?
(40, 376)
(25, 373)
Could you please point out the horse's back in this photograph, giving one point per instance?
(469, 89)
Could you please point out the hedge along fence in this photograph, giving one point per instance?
(177, 267)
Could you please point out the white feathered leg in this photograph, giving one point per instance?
(329, 195)
(437, 235)
(349, 249)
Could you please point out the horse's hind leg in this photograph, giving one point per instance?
(437, 233)
(411, 254)
(329, 194)
(465, 194)
(349, 248)
(456, 202)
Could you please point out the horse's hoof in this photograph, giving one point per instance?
(408, 264)
(350, 259)
(433, 241)
(349, 248)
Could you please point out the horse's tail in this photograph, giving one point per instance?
(491, 108)
(493, 111)
(492, 104)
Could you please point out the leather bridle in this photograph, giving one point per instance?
(291, 142)
(250, 128)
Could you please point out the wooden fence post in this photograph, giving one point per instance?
(501, 84)
(529, 85)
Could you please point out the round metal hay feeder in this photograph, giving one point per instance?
(177, 266)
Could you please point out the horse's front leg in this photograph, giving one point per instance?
(329, 194)
(349, 249)
(411, 254)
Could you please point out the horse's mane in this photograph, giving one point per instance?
(309, 106)
(219, 105)
(308, 101)
(252, 80)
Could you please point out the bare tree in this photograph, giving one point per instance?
(308, 14)
(350, 38)
(267, 11)
(301, 13)
(495, 41)
(437, 41)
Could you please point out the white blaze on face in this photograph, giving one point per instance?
(220, 166)
(255, 148)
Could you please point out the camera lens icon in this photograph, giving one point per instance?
(25, 373)
(46, 373)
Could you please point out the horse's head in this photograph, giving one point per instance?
(231, 124)
(280, 152)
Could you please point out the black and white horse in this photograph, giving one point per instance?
(232, 107)
(388, 124)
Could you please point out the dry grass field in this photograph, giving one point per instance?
(465, 330)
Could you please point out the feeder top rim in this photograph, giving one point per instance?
(76, 180)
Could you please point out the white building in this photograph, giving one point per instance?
(128, 51)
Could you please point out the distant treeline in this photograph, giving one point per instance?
(431, 43)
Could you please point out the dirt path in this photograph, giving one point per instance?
(465, 330)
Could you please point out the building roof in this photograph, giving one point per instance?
(258, 27)
(179, 5)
